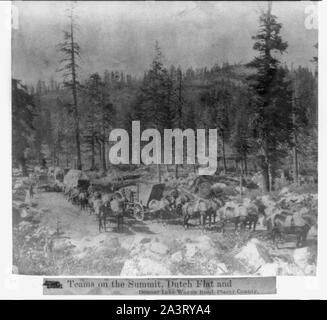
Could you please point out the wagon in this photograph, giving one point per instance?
(137, 198)
(42, 182)
(76, 178)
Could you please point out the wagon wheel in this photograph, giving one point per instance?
(138, 212)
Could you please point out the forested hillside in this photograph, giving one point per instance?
(265, 112)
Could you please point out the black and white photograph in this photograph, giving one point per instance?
(164, 138)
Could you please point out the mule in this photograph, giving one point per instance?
(281, 224)
(232, 214)
(203, 209)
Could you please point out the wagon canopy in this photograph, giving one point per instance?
(148, 192)
(59, 174)
(76, 178)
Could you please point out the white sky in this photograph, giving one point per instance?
(121, 35)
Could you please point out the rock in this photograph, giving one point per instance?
(24, 225)
(144, 267)
(284, 191)
(19, 204)
(205, 246)
(269, 269)
(301, 257)
(127, 243)
(24, 213)
(254, 254)
(15, 269)
(18, 185)
(220, 269)
(61, 244)
(36, 213)
(313, 232)
(190, 251)
(176, 257)
(310, 270)
(244, 189)
(109, 242)
(218, 188)
(159, 248)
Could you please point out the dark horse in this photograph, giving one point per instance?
(117, 205)
(282, 223)
(103, 215)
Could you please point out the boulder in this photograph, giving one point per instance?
(218, 188)
(254, 255)
(61, 244)
(190, 251)
(301, 257)
(177, 257)
(15, 269)
(284, 191)
(144, 267)
(269, 269)
(220, 269)
(24, 213)
(159, 248)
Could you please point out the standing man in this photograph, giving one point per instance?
(31, 190)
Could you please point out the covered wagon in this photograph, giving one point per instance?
(76, 178)
(59, 174)
(141, 198)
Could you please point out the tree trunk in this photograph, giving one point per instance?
(271, 177)
(295, 155)
(224, 157)
(245, 164)
(176, 171)
(92, 152)
(22, 162)
(263, 165)
(103, 152)
(265, 179)
(159, 172)
(100, 154)
(74, 89)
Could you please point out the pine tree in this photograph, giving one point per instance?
(156, 96)
(71, 52)
(23, 114)
(272, 107)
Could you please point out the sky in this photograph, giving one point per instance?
(121, 35)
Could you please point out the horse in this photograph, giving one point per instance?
(252, 215)
(201, 208)
(104, 213)
(83, 200)
(232, 213)
(160, 206)
(91, 199)
(73, 196)
(117, 205)
(179, 203)
(283, 223)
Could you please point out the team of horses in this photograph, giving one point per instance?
(207, 211)
(103, 206)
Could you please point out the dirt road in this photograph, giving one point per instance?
(77, 224)
(160, 247)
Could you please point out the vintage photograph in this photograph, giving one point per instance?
(164, 138)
